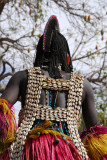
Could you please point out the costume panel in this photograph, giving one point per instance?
(35, 111)
(47, 140)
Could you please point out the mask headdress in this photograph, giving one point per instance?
(52, 50)
(51, 26)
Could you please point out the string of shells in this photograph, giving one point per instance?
(33, 110)
(34, 88)
(74, 104)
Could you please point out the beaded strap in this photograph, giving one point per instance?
(33, 110)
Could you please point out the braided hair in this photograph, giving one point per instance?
(52, 50)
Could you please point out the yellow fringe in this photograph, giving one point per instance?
(96, 146)
(6, 109)
(41, 129)
(10, 135)
(3, 101)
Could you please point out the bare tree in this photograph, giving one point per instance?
(20, 24)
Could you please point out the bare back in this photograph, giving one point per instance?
(17, 87)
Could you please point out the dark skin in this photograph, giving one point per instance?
(17, 88)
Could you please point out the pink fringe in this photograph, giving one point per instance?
(11, 107)
(96, 129)
(3, 126)
(44, 148)
(5, 121)
(7, 127)
(5, 156)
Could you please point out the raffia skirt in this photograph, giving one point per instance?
(45, 148)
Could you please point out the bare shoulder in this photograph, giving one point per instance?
(20, 74)
(12, 91)
(87, 86)
(87, 90)
(88, 105)
(18, 77)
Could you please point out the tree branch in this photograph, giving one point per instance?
(88, 55)
(6, 75)
(99, 80)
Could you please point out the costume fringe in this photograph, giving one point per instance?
(95, 142)
(7, 125)
(5, 156)
(41, 145)
(44, 148)
(41, 129)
